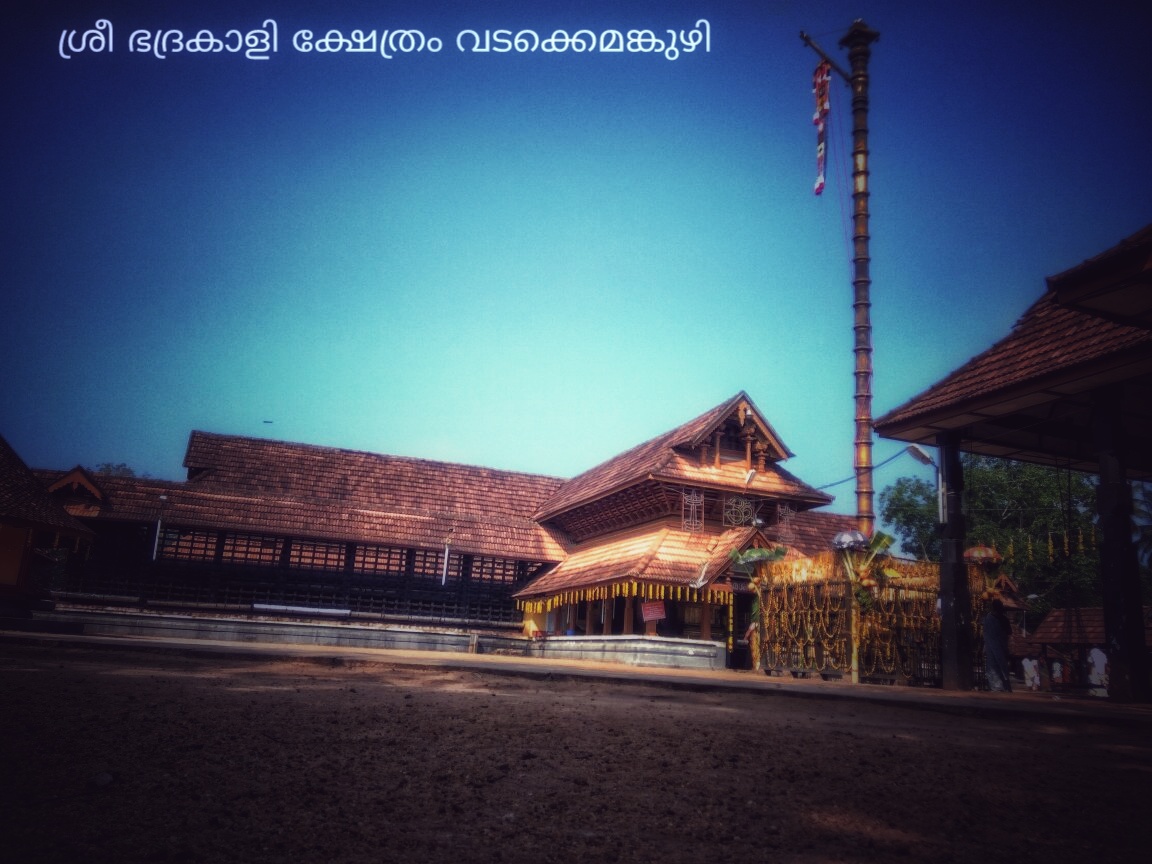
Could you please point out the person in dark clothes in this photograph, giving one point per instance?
(997, 629)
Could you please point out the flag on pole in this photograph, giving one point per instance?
(821, 86)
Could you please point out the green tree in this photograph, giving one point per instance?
(909, 507)
(1040, 519)
(117, 469)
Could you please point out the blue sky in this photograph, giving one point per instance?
(534, 261)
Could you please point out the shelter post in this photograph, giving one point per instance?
(1119, 568)
(955, 599)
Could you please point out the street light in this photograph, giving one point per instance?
(847, 542)
(924, 458)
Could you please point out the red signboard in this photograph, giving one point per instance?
(653, 610)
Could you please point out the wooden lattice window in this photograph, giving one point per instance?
(310, 555)
(429, 565)
(180, 545)
(493, 571)
(251, 549)
(379, 559)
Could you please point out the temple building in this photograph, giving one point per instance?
(642, 543)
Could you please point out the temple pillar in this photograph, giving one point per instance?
(1119, 566)
(956, 647)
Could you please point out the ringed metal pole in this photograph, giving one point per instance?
(858, 41)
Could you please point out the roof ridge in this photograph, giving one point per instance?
(372, 454)
(653, 550)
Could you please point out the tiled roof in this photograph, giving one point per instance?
(356, 479)
(24, 500)
(186, 505)
(258, 486)
(1115, 284)
(773, 480)
(659, 458)
(650, 553)
(1049, 343)
(671, 555)
(1080, 627)
(810, 532)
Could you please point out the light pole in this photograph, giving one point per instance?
(924, 458)
(849, 543)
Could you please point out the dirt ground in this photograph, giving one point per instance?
(109, 755)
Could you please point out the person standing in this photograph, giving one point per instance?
(1097, 671)
(997, 629)
(1031, 673)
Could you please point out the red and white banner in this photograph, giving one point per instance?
(821, 86)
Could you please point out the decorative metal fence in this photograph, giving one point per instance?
(805, 628)
(806, 617)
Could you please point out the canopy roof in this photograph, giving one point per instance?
(1030, 396)
(670, 555)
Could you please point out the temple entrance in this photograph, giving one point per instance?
(739, 653)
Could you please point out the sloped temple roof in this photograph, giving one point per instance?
(259, 486)
(300, 490)
(670, 555)
(667, 457)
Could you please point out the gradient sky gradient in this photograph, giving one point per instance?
(532, 261)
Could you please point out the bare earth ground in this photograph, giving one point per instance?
(109, 755)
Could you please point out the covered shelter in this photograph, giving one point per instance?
(1070, 386)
